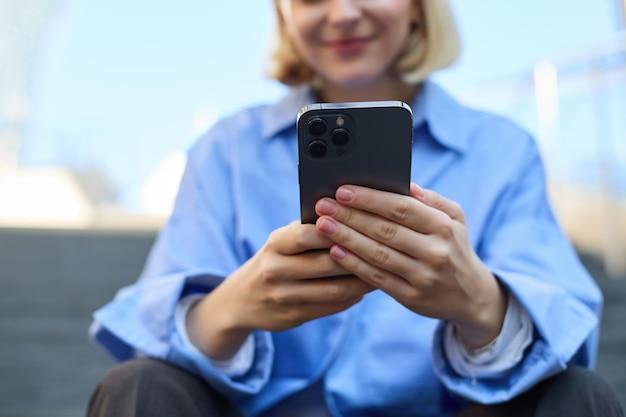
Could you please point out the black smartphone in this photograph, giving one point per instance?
(361, 143)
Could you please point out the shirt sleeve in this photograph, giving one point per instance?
(238, 365)
(193, 253)
(527, 251)
(500, 356)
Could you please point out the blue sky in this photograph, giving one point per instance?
(119, 82)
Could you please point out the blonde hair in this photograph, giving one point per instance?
(432, 45)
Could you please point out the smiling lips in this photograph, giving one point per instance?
(349, 46)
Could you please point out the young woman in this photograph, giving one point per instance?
(464, 293)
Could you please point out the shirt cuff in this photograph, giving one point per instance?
(238, 365)
(499, 356)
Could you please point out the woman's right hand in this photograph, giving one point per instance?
(291, 280)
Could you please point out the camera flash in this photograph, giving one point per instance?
(339, 121)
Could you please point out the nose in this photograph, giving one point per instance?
(344, 13)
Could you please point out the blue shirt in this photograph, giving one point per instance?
(376, 358)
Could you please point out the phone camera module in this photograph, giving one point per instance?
(317, 127)
(317, 148)
(340, 137)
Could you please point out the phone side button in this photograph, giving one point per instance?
(298, 172)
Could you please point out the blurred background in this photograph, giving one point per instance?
(100, 100)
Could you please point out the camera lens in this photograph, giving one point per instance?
(317, 126)
(317, 148)
(340, 137)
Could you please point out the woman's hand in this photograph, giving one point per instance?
(416, 249)
(280, 287)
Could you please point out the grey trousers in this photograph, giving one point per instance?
(148, 387)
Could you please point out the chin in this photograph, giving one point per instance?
(353, 79)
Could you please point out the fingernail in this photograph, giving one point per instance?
(337, 252)
(345, 193)
(327, 225)
(327, 206)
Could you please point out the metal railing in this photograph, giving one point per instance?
(576, 107)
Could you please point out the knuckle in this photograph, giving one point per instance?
(446, 228)
(335, 270)
(272, 238)
(269, 276)
(269, 299)
(276, 236)
(400, 210)
(347, 215)
(353, 300)
(357, 291)
(344, 236)
(413, 293)
(336, 292)
(281, 297)
(440, 256)
(403, 269)
(377, 276)
(427, 283)
(327, 267)
(434, 198)
(456, 207)
(291, 317)
(300, 239)
(460, 230)
(380, 255)
(386, 231)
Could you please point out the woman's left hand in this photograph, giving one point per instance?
(416, 249)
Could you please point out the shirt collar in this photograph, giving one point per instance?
(448, 121)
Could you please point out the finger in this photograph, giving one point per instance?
(436, 200)
(388, 282)
(378, 228)
(308, 312)
(401, 209)
(323, 291)
(373, 252)
(297, 238)
(309, 265)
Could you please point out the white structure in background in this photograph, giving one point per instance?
(57, 197)
(546, 83)
(44, 197)
(159, 191)
(22, 27)
(575, 105)
(203, 119)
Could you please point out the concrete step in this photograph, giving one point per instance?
(52, 281)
